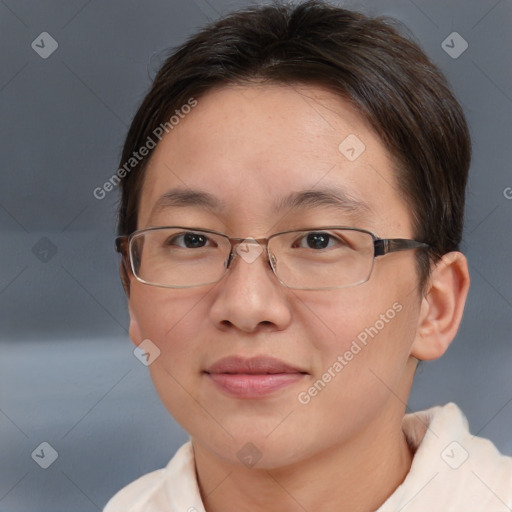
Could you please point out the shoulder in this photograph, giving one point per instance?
(447, 435)
(129, 497)
(152, 489)
(453, 468)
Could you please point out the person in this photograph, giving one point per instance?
(292, 206)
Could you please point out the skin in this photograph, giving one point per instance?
(250, 146)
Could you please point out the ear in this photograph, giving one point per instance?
(134, 331)
(125, 274)
(442, 307)
(125, 271)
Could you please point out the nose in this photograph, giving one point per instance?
(249, 297)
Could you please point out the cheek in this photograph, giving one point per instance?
(162, 312)
(361, 361)
(358, 362)
(171, 319)
(355, 331)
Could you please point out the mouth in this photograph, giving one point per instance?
(255, 377)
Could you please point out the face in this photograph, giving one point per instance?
(341, 358)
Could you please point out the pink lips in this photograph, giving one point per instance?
(252, 378)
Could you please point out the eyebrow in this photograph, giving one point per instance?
(332, 196)
(180, 197)
(335, 197)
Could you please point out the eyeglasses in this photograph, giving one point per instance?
(324, 258)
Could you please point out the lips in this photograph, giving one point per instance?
(252, 366)
(254, 377)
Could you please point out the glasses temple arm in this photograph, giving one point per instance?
(384, 246)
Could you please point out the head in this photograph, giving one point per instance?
(257, 108)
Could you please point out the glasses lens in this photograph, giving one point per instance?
(178, 258)
(322, 259)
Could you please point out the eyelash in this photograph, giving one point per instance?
(296, 243)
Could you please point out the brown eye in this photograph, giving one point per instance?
(318, 240)
(189, 240)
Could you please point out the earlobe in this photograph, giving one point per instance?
(442, 307)
(134, 331)
(125, 279)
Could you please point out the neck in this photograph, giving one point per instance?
(357, 476)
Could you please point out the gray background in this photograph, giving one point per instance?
(67, 372)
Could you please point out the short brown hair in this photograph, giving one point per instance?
(385, 76)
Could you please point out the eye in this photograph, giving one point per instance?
(318, 240)
(189, 240)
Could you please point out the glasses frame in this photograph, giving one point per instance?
(382, 246)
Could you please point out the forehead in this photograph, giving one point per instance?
(247, 153)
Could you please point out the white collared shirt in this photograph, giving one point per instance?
(452, 471)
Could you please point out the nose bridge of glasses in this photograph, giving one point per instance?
(249, 249)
